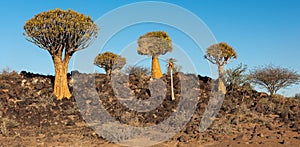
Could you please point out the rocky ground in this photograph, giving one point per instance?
(31, 116)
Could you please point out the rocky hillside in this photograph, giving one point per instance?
(30, 114)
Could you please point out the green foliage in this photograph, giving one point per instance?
(220, 54)
(138, 71)
(274, 78)
(154, 44)
(236, 77)
(57, 29)
(109, 61)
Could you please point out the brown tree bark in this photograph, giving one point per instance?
(61, 89)
(155, 71)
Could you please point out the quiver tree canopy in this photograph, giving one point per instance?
(109, 61)
(220, 54)
(59, 29)
(61, 33)
(155, 44)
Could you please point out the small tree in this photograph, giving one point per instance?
(236, 77)
(220, 54)
(109, 62)
(155, 44)
(274, 78)
(171, 66)
(61, 33)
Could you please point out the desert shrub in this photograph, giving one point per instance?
(274, 78)
(138, 71)
(6, 70)
(8, 73)
(236, 77)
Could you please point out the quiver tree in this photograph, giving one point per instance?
(109, 62)
(274, 78)
(220, 54)
(61, 33)
(154, 44)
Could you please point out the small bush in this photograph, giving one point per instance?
(236, 77)
(138, 71)
(7, 72)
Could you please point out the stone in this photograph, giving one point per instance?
(260, 135)
(269, 126)
(235, 120)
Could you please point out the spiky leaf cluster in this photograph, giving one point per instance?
(109, 61)
(220, 53)
(154, 43)
(59, 29)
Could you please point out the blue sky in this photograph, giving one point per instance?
(261, 31)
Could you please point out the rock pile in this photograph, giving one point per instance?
(29, 109)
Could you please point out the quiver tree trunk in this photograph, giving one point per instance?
(108, 72)
(221, 80)
(108, 75)
(155, 71)
(61, 89)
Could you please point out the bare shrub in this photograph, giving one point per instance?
(274, 78)
(138, 71)
(236, 77)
